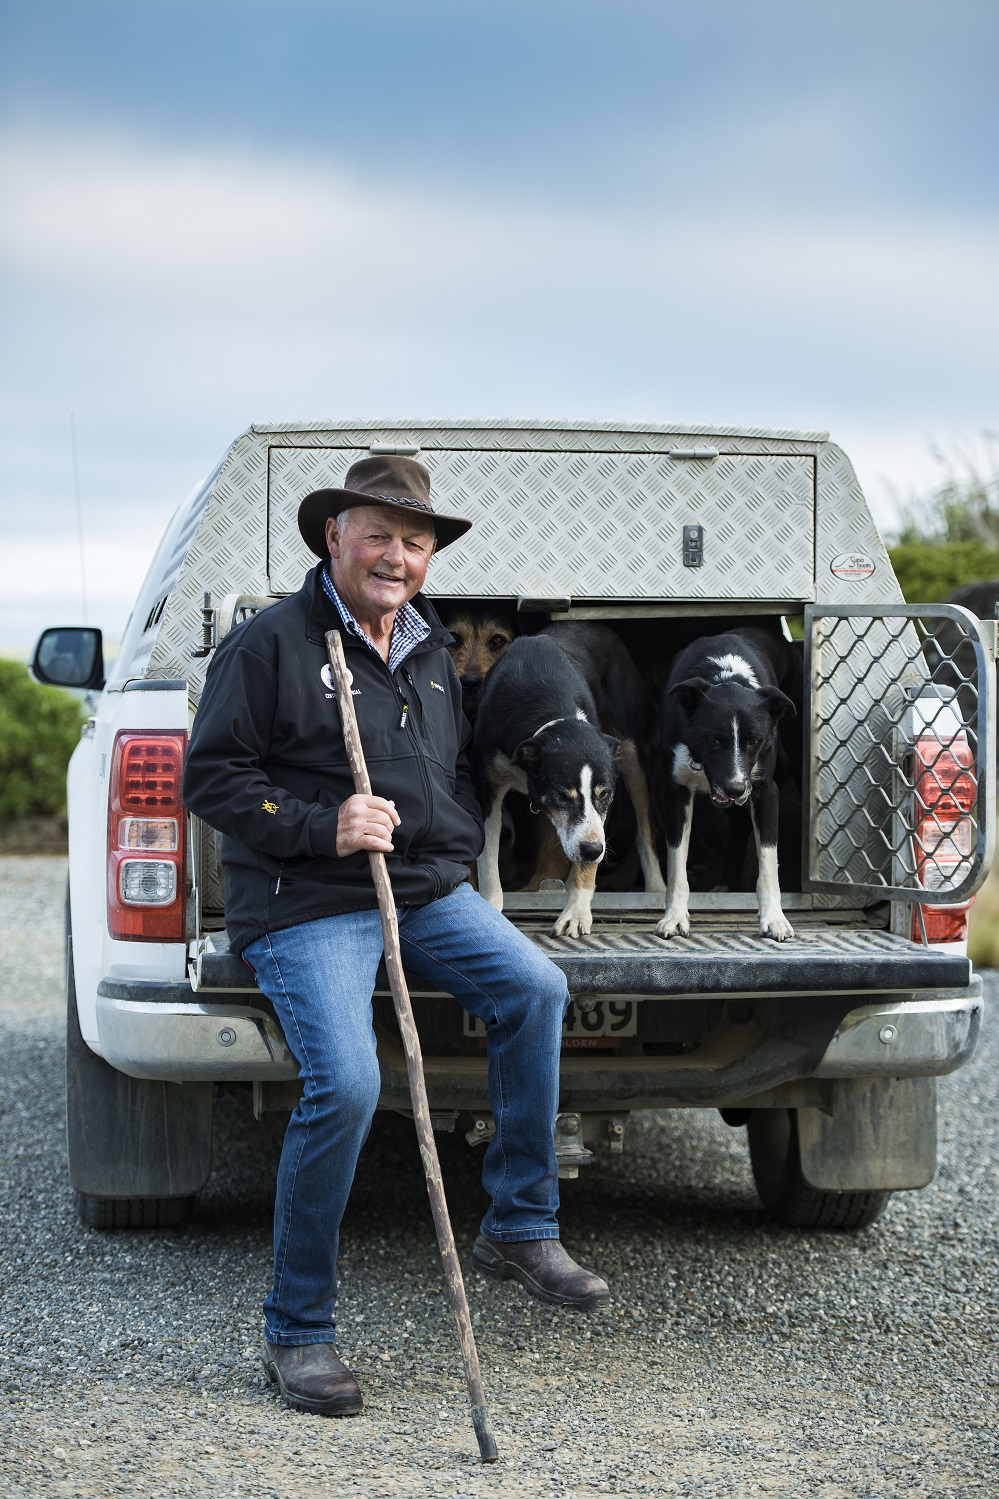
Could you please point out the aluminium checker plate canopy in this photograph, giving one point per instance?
(590, 511)
(593, 526)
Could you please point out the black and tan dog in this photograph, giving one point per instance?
(538, 731)
(482, 633)
(720, 721)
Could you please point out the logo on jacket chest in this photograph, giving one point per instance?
(327, 676)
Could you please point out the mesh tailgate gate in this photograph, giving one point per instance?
(901, 760)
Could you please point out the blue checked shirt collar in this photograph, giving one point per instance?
(407, 632)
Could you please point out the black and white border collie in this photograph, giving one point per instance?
(719, 737)
(538, 731)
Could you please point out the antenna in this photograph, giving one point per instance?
(79, 514)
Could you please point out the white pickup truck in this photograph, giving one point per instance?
(827, 1045)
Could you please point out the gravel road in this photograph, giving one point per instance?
(736, 1358)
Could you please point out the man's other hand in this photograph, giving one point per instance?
(365, 822)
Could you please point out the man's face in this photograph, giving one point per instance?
(380, 558)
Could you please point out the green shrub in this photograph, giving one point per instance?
(949, 535)
(927, 571)
(39, 727)
(963, 506)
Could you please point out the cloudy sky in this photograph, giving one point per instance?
(781, 213)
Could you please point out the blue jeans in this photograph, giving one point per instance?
(319, 977)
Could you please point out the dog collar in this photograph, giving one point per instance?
(566, 718)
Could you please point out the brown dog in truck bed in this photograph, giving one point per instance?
(482, 633)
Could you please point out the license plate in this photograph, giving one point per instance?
(607, 1021)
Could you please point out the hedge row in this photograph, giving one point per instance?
(928, 571)
(39, 727)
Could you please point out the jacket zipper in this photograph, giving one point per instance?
(418, 713)
(403, 723)
(403, 704)
(402, 701)
(424, 777)
(428, 789)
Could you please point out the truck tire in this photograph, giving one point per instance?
(133, 1212)
(783, 1190)
(138, 1150)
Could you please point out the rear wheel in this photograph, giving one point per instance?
(138, 1149)
(783, 1190)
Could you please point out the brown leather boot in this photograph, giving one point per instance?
(311, 1377)
(544, 1268)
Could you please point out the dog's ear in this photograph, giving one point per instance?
(778, 703)
(690, 692)
(527, 754)
(614, 745)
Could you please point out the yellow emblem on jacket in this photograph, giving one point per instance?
(268, 806)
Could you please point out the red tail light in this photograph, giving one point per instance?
(147, 828)
(945, 797)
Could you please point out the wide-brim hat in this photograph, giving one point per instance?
(384, 479)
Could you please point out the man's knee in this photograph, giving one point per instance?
(555, 989)
(542, 990)
(349, 1095)
(547, 981)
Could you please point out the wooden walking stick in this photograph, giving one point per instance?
(414, 1065)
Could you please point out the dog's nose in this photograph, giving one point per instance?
(471, 683)
(589, 853)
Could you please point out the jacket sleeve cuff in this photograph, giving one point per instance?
(322, 831)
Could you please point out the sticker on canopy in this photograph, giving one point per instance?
(852, 565)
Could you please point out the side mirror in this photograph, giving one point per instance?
(70, 656)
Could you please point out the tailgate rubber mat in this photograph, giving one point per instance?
(737, 962)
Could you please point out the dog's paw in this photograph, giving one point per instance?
(674, 924)
(776, 926)
(573, 924)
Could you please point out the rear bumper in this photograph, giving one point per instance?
(162, 1030)
(921, 1038)
(168, 1031)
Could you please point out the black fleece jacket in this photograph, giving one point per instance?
(267, 766)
